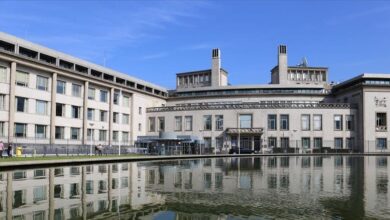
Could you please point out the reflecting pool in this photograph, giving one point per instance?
(334, 187)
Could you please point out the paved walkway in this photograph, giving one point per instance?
(9, 165)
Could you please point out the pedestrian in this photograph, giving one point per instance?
(9, 150)
(100, 148)
(96, 149)
(1, 149)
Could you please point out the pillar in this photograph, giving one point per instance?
(109, 188)
(9, 196)
(51, 193)
(132, 125)
(84, 192)
(110, 121)
(85, 118)
(11, 112)
(53, 109)
(253, 143)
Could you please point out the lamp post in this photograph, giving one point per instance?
(90, 148)
(239, 134)
(200, 147)
(296, 141)
(119, 121)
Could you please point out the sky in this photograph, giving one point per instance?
(154, 40)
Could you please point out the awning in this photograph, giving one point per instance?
(244, 131)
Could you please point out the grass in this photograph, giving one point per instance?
(53, 157)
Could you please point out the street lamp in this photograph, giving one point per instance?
(90, 148)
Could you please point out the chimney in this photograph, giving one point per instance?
(282, 64)
(216, 67)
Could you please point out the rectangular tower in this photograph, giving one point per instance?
(216, 68)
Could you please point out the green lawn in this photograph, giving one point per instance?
(53, 157)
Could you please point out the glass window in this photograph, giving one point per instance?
(102, 135)
(188, 123)
(61, 87)
(21, 104)
(219, 122)
(317, 122)
(245, 121)
(139, 127)
(125, 137)
(41, 107)
(103, 96)
(2, 102)
(349, 122)
(317, 142)
(284, 142)
(284, 122)
(103, 115)
(338, 122)
(116, 98)
(3, 74)
(152, 124)
(90, 134)
(42, 83)
(207, 123)
(39, 194)
(305, 122)
(381, 121)
(161, 123)
(305, 142)
(91, 93)
(140, 110)
(125, 119)
(75, 133)
(349, 142)
(115, 135)
(59, 133)
(338, 143)
(60, 110)
(21, 78)
(2, 128)
(381, 143)
(178, 123)
(76, 90)
(91, 114)
(20, 130)
(272, 122)
(115, 118)
(40, 131)
(126, 101)
(272, 142)
(75, 111)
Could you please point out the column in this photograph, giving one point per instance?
(84, 192)
(109, 188)
(11, 116)
(51, 193)
(253, 143)
(9, 196)
(53, 109)
(132, 113)
(85, 118)
(111, 117)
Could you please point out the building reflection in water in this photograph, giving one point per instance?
(338, 186)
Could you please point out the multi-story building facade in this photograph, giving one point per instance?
(49, 98)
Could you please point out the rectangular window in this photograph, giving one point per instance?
(219, 122)
(140, 110)
(125, 119)
(39, 195)
(188, 123)
(349, 142)
(103, 96)
(272, 142)
(284, 142)
(381, 143)
(317, 142)
(338, 122)
(161, 123)
(317, 122)
(139, 127)
(284, 122)
(126, 101)
(152, 124)
(41, 107)
(245, 121)
(115, 117)
(103, 116)
(115, 135)
(76, 90)
(91, 114)
(381, 121)
(207, 123)
(3, 75)
(90, 134)
(42, 83)
(272, 122)
(116, 98)
(61, 87)
(2, 102)
(305, 122)
(20, 130)
(60, 133)
(2, 129)
(75, 111)
(21, 78)
(40, 131)
(21, 104)
(75, 133)
(349, 122)
(91, 93)
(60, 110)
(125, 137)
(178, 123)
(102, 135)
(338, 143)
(305, 143)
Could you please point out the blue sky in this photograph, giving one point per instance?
(153, 40)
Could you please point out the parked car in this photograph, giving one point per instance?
(241, 151)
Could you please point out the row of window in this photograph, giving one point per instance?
(315, 143)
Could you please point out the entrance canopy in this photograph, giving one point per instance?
(248, 131)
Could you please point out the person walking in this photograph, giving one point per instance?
(9, 150)
(100, 150)
(1, 149)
